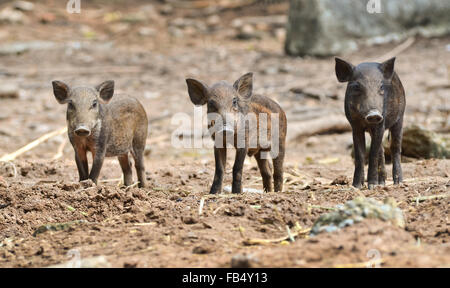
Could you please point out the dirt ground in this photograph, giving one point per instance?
(149, 49)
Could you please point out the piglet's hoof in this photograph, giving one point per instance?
(87, 183)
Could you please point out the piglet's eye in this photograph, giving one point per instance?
(356, 87)
(235, 102)
(94, 104)
(211, 106)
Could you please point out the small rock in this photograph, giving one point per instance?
(119, 27)
(12, 16)
(150, 12)
(130, 265)
(140, 16)
(191, 235)
(247, 32)
(202, 250)
(22, 47)
(235, 211)
(271, 70)
(312, 141)
(213, 20)
(46, 18)
(151, 94)
(189, 220)
(355, 211)
(421, 143)
(243, 261)
(93, 262)
(341, 180)
(56, 227)
(23, 6)
(417, 143)
(280, 34)
(147, 32)
(148, 150)
(175, 32)
(9, 91)
(166, 9)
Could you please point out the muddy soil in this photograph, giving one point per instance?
(174, 222)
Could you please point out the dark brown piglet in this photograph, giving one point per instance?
(232, 110)
(106, 126)
(374, 102)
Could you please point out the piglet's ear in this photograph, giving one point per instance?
(61, 91)
(244, 85)
(344, 70)
(387, 68)
(106, 90)
(198, 92)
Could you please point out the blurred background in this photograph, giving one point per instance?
(150, 47)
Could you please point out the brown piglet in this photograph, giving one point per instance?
(232, 110)
(106, 126)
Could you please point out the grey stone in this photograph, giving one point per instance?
(357, 210)
(23, 6)
(93, 262)
(330, 27)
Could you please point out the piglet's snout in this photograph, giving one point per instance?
(82, 131)
(374, 117)
(225, 135)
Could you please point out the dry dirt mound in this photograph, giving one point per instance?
(165, 227)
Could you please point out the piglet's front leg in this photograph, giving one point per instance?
(359, 144)
(375, 146)
(82, 163)
(237, 170)
(220, 155)
(98, 156)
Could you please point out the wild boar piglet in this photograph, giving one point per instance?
(374, 102)
(106, 126)
(254, 124)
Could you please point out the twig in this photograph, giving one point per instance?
(218, 208)
(60, 152)
(424, 198)
(361, 264)
(145, 224)
(322, 207)
(35, 143)
(110, 180)
(277, 240)
(132, 185)
(397, 50)
(241, 231)
(291, 238)
(200, 208)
